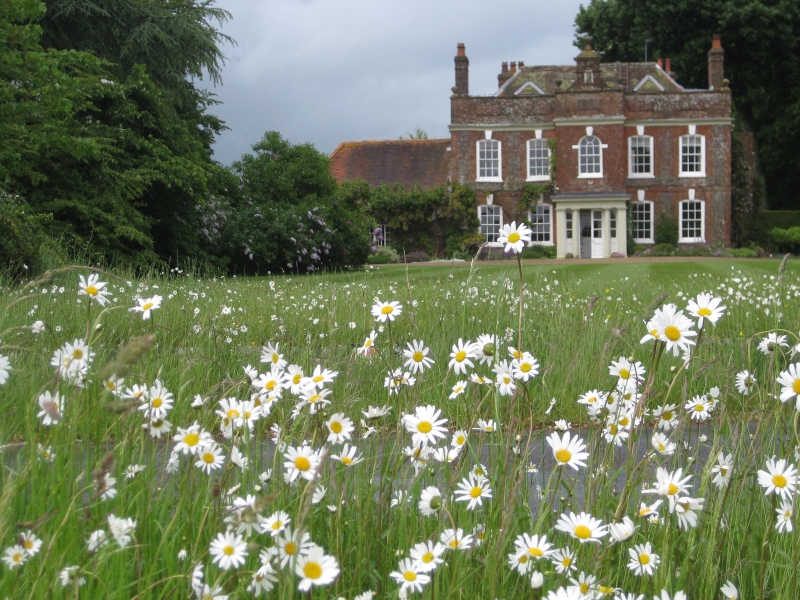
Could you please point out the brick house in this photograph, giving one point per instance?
(618, 136)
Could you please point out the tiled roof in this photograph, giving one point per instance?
(407, 162)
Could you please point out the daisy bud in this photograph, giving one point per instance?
(537, 580)
(672, 369)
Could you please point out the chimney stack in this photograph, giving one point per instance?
(660, 63)
(504, 74)
(668, 65)
(513, 68)
(462, 70)
(520, 64)
(716, 63)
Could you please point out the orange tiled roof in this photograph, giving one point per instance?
(407, 162)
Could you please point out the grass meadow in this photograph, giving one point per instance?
(270, 437)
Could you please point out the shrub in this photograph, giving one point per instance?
(697, 251)
(666, 231)
(378, 259)
(744, 253)
(786, 240)
(539, 252)
(21, 238)
(663, 250)
(390, 254)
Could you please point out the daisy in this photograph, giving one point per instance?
(706, 307)
(457, 390)
(722, 470)
(147, 305)
(671, 327)
(157, 427)
(29, 542)
(459, 438)
(729, 591)
(485, 348)
(376, 413)
(486, 426)
(790, 382)
(563, 560)
(291, 544)
(643, 560)
(314, 567)
(772, 342)
(97, 540)
(321, 376)
(745, 382)
(670, 485)
(593, 398)
(5, 369)
(427, 555)
(525, 368)
(785, 515)
(120, 529)
(779, 478)
(446, 454)
(264, 580)
(301, 462)
(417, 356)
(409, 576)
(456, 539)
(368, 347)
(340, 428)
(627, 371)
(70, 576)
(228, 551)
(568, 451)
(698, 408)
(621, 532)
(686, 510)
(520, 561)
(504, 378)
(535, 546)
(480, 380)
(667, 417)
(583, 527)
(460, 357)
(271, 354)
(349, 456)
(430, 501)
(648, 511)
(662, 445)
(584, 583)
(386, 310)
(15, 556)
(52, 408)
(515, 238)
(424, 424)
(159, 403)
(209, 458)
(272, 383)
(473, 490)
(93, 288)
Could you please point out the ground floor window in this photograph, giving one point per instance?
(380, 235)
(491, 218)
(613, 223)
(568, 223)
(541, 224)
(642, 218)
(692, 220)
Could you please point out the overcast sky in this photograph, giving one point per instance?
(329, 71)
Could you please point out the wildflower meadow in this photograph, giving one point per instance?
(624, 431)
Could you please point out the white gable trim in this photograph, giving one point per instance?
(527, 85)
(671, 80)
(645, 80)
(507, 83)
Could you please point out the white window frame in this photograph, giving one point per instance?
(494, 207)
(692, 240)
(535, 225)
(384, 233)
(702, 171)
(631, 173)
(542, 142)
(569, 214)
(648, 240)
(601, 146)
(499, 160)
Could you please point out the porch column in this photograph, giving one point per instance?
(622, 230)
(607, 232)
(576, 232)
(561, 232)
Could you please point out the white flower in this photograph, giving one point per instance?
(662, 445)
(621, 532)
(120, 529)
(424, 424)
(789, 380)
(706, 307)
(779, 478)
(772, 342)
(314, 567)
(228, 550)
(722, 470)
(93, 288)
(729, 591)
(410, 576)
(417, 356)
(5, 369)
(785, 514)
(567, 450)
(386, 310)
(670, 326)
(460, 357)
(515, 238)
(147, 305)
(583, 527)
(745, 382)
(643, 560)
(473, 490)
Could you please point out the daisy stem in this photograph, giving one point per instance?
(765, 548)
(88, 318)
(519, 330)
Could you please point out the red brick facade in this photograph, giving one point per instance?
(605, 104)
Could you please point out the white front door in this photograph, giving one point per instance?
(597, 234)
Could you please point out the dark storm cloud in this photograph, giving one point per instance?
(328, 71)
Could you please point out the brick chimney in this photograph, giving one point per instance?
(660, 63)
(462, 70)
(513, 68)
(716, 63)
(504, 74)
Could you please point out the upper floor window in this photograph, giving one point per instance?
(640, 156)
(541, 224)
(491, 218)
(590, 157)
(538, 160)
(588, 77)
(692, 221)
(489, 160)
(693, 155)
(642, 221)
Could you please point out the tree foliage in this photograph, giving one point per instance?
(762, 60)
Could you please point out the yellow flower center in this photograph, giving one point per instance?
(336, 427)
(297, 377)
(289, 548)
(537, 552)
(667, 416)
(410, 576)
(276, 357)
(270, 385)
(644, 559)
(584, 588)
(523, 559)
(582, 532)
(779, 481)
(347, 460)
(699, 407)
(368, 343)
(672, 489)
(418, 356)
(228, 550)
(28, 544)
(277, 525)
(77, 354)
(513, 238)
(314, 398)
(387, 310)
(208, 458)
(654, 333)
(566, 561)
(312, 570)
(624, 421)
(301, 463)
(525, 367)
(723, 471)
(191, 439)
(704, 312)
(460, 356)
(796, 386)
(157, 402)
(475, 492)
(624, 373)
(147, 306)
(427, 557)
(563, 455)
(233, 413)
(673, 333)
(17, 558)
(317, 378)
(424, 427)
(461, 440)
(454, 544)
(613, 429)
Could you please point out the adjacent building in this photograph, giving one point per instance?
(593, 141)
